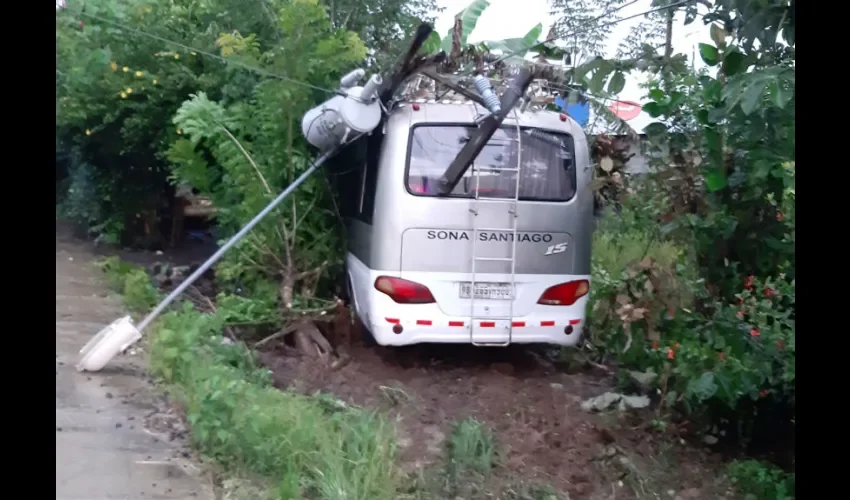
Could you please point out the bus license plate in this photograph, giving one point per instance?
(492, 291)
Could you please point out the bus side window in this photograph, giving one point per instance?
(345, 171)
(370, 182)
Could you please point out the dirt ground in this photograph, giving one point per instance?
(429, 388)
(530, 402)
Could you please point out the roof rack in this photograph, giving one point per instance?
(423, 88)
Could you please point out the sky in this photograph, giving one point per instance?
(505, 19)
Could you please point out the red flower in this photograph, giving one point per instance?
(764, 392)
(779, 216)
(671, 353)
(721, 356)
(780, 344)
(768, 292)
(741, 314)
(749, 284)
(655, 345)
(754, 332)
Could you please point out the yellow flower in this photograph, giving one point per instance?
(176, 56)
(139, 74)
(148, 10)
(88, 132)
(154, 81)
(129, 90)
(125, 69)
(114, 66)
(193, 53)
(123, 95)
(179, 132)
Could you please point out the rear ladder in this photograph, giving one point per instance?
(513, 204)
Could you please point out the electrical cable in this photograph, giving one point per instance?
(203, 52)
(597, 18)
(603, 25)
(613, 11)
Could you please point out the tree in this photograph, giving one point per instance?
(242, 153)
(117, 91)
(724, 188)
(586, 27)
(384, 25)
(579, 26)
(115, 125)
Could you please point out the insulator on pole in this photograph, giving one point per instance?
(351, 79)
(370, 90)
(491, 100)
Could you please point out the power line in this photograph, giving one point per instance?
(617, 21)
(203, 52)
(603, 25)
(606, 14)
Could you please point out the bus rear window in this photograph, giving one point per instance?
(546, 169)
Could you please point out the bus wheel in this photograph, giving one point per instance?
(344, 289)
(363, 332)
(360, 329)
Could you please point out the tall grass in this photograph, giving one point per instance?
(615, 251)
(620, 243)
(238, 418)
(303, 445)
(471, 448)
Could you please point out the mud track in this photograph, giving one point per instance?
(532, 407)
(531, 404)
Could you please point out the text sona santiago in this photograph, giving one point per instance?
(490, 236)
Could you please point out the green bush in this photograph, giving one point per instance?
(741, 351)
(761, 481)
(132, 282)
(625, 250)
(730, 361)
(305, 444)
(139, 294)
(715, 359)
(115, 270)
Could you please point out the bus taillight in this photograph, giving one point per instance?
(404, 291)
(565, 294)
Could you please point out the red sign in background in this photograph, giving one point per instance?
(625, 110)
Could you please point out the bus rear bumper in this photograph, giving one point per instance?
(400, 331)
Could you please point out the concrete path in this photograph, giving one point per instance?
(106, 445)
